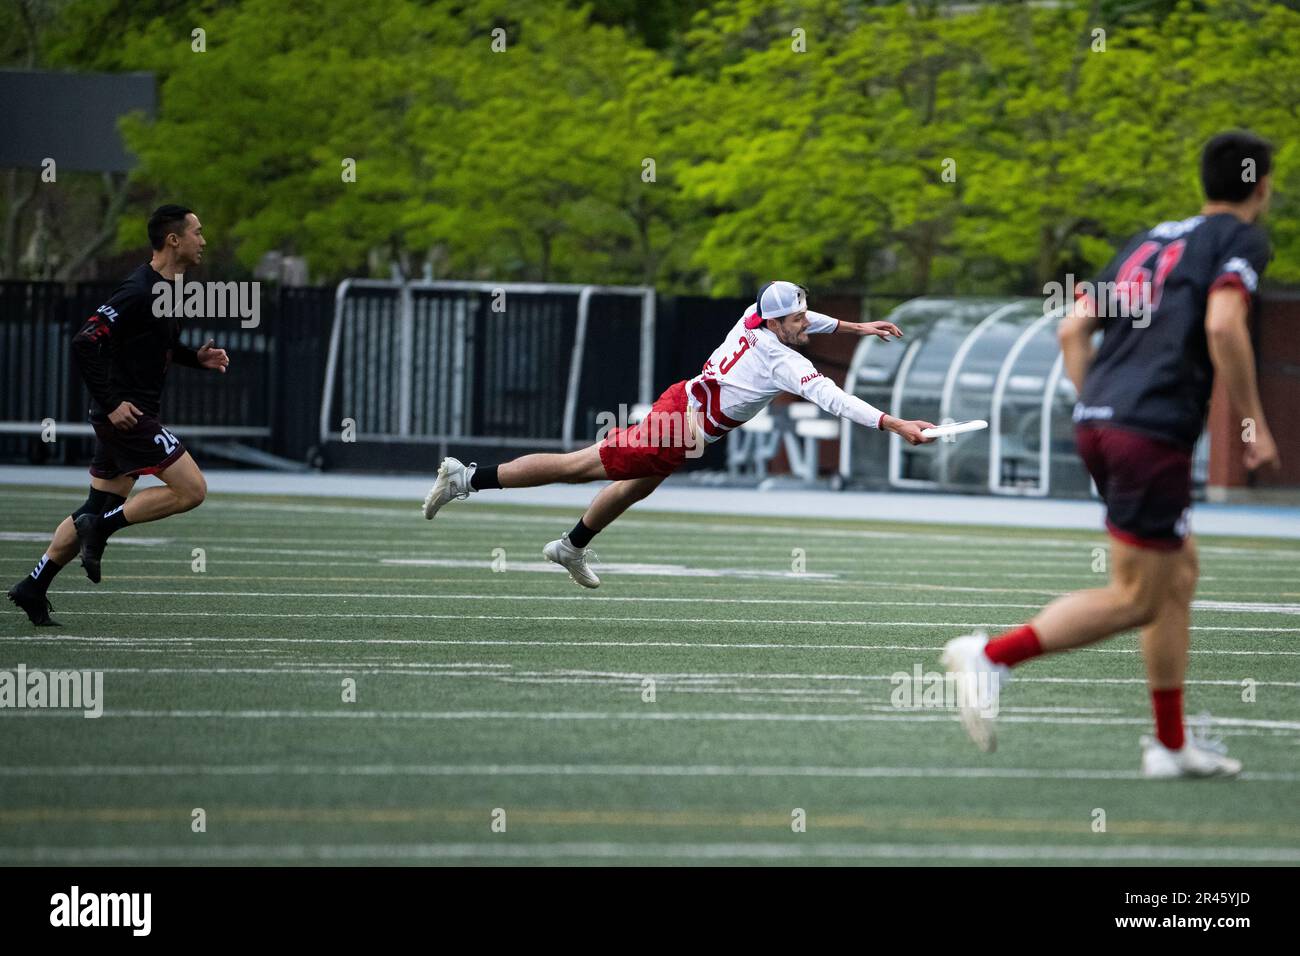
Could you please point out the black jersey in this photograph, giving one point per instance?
(1152, 372)
(124, 349)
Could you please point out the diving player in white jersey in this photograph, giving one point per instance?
(755, 362)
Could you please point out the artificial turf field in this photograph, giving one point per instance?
(480, 691)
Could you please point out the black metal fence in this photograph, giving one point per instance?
(266, 399)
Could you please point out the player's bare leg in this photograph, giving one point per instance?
(531, 471)
(457, 480)
(30, 593)
(571, 552)
(617, 497)
(184, 489)
(63, 546)
(1166, 641)
(1166, 644)
(1134, 596)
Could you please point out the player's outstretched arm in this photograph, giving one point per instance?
(882, 330)
(819, 324)
(1228, 334)
(805, 381)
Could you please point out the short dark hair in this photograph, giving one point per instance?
(164, 221)
(1223, 160)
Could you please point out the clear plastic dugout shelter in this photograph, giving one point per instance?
(967, 358)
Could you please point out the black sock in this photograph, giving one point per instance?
(485, 476)
(44, 572)
(98, 503)
(581, 535)
(114, 520)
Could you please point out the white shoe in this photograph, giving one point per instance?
(573, 560)
(453, 482)
(979, 683)
(1161, 763)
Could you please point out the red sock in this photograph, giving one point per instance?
(1014, 646)
(1168, 707)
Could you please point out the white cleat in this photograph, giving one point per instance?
(978, 687)
(1161, 763)
(573, 560)
(452, 482)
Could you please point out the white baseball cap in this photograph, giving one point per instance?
(777, 299)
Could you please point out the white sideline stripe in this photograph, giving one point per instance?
(638, 850)
(172, 644)
(837, 584)
(616, 567)
(485, 564)
(594, 770)
(183, 561)
(228, 544)
(910, 556)
(435, 596)
(612, 620)
(1247, 607)
(1079, 560)
(688, 686)
(596, 715)
(43, 537)
(473, 533)
(506, 673)
(930, 569)
(480, 516)
(779, 553)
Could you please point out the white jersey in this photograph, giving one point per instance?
(752, 366)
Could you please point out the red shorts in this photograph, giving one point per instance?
(1146, 484)
(656, 445)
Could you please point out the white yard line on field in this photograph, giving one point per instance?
(595, 770)
(1228, 724)
(506, 673)
(603, 621)
(1235, 607)
(173, 644)
(647, 850)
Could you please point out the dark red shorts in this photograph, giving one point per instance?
(1146, 484)
(656, 445)
(146, 449)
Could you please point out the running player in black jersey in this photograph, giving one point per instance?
(1173, 308)
(123, 352)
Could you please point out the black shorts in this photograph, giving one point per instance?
(146, 449)
(1146, 484)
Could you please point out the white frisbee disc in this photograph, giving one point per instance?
(956, 428)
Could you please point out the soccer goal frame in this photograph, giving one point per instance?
(402, 431)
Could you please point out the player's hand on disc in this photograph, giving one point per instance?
(1262, 451)
(909, 430)
(125, 416)
(212, 357)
